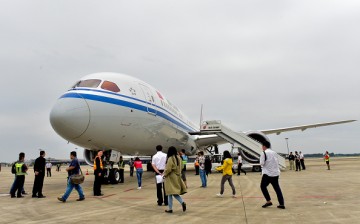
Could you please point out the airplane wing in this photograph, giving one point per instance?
(204, 139)
(303, 127)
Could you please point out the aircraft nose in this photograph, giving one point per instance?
(70, 116)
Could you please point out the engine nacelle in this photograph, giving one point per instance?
(259, 137)
(89, 156)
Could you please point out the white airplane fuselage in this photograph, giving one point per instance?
(134, 120)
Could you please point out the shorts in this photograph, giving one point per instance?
(327, 162)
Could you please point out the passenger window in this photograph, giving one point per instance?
(91, 83)
(110, 86)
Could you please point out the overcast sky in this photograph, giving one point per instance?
(253, 64)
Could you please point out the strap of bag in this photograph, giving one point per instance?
(265, 155)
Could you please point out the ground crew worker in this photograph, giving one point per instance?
(121, 169)
(184, 162)
(20, 172)
(327, 159)
(98, 172)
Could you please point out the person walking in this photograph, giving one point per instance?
(139, 171)
(39, 170)
(121, 165)
(158, 163)
(98, 173)
(292, 161)
(174, 186)
(48, 168)
(20, 172)
(226, 169)
(74, 168)
(202, 169)
(270, 175)
(327, 159)
(131, 164)
(239, 162)
(302, 162)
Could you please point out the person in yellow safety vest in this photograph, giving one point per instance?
(21, 169)
(184, 162)
(98, 172)
(121, 165)
(327, 159)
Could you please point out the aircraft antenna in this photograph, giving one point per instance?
(201, 116)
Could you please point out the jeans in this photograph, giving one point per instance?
(170, 200)
(274, 181)
(139, 173)
(203, 177)
(70, 186)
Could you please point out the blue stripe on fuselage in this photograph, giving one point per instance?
(124, 103)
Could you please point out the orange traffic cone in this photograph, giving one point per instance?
(87, 172)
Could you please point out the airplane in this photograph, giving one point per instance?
(120, 113)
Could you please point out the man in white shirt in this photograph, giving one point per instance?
(48, 169)
(270, 175)
(158, 163)
(302, 160)
(240, 165)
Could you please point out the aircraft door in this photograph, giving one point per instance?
(149, 98)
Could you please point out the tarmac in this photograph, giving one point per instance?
(314, 195)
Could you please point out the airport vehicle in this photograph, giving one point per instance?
(120, 113)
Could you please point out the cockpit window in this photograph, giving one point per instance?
(110, 86)
(91, 83)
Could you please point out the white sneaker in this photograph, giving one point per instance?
(139, 188)
(219, 195)
(234, 196)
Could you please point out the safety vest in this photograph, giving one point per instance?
(327, 157)
(101, 164)
(184, 160)
(121, 164)
(18, 168)
(196, 163)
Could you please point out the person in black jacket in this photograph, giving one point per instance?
(98, 172)
(39, 170)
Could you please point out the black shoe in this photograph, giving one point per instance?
(61, 199)
(13, 196)
(98, 194)
(24, 193)
(41, 196)
(80, 199)
(281, 206)
(266, 205)
(168, 211)
(184, 206)
(34, 196)
(159, 204)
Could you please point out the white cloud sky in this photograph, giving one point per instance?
(253, 64)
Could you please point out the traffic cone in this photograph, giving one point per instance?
(87, 172)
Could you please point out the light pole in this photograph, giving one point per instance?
(287, 145)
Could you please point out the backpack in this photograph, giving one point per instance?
(13, 168)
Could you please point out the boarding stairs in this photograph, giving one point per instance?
(249, 149)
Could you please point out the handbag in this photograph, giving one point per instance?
(77, 178)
